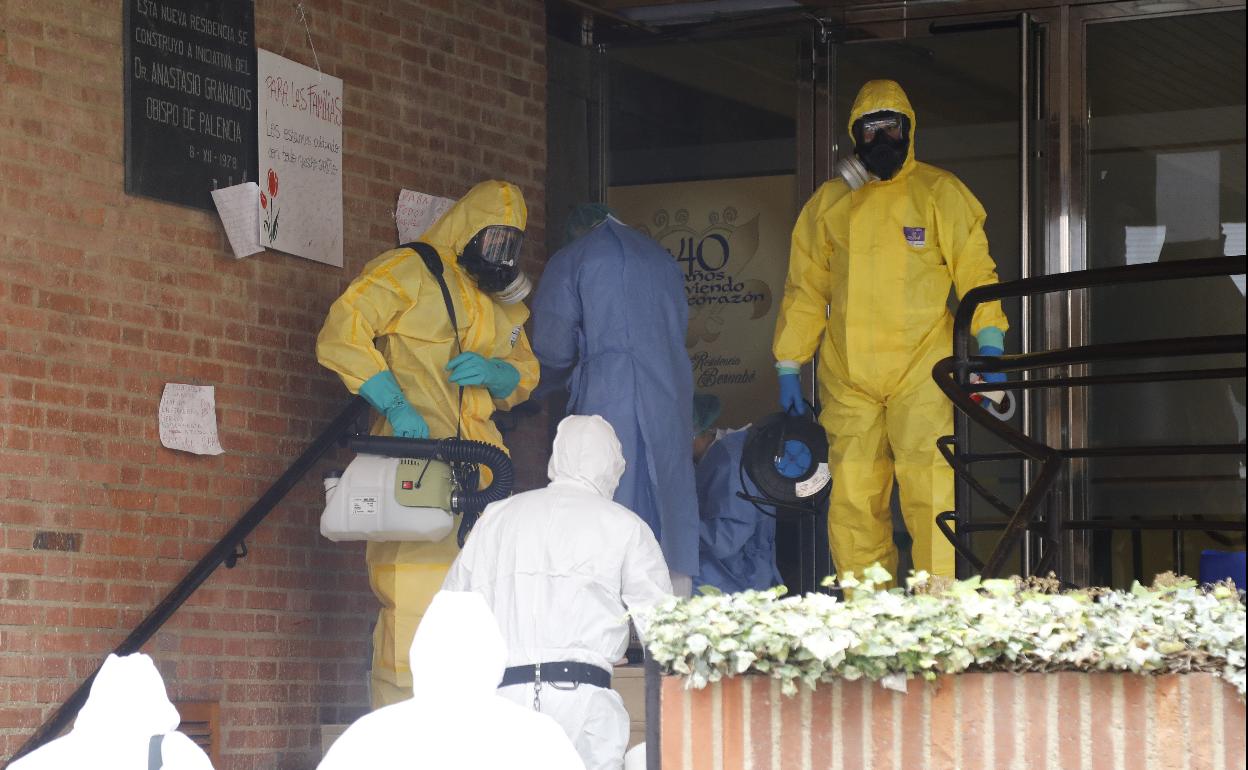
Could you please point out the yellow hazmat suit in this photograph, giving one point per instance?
(882, 258)
(393, 316)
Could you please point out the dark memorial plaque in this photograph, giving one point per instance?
(190, 98)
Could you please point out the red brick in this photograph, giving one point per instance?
(1203, 690)
(885, 704)
(1070, 727)
(945, 727)
(1104, 716)
(852, 722)
(1033, 737)
(1169, 729)
(974, 699)
(701, 728)
(913, 751)
(1135, 707)
(1233, 729)
(104, 297)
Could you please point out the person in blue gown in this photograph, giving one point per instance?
(737, 539)
(609, 324)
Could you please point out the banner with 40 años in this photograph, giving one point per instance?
(731, 240)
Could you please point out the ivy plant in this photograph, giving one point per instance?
(933, 627)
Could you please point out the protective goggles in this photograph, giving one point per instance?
(889, 125)
(497, 245)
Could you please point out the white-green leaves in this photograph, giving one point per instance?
(1000, 625)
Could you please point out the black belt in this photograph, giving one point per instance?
(558, 671)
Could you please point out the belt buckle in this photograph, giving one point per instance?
(565, 686)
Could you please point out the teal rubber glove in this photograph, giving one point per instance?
(496, 375)
(991, 341)
(383, 392)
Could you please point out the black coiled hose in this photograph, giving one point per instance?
(503, 475)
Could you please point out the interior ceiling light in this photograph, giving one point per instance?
(707, 10)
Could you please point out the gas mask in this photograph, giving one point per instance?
(492, 258)
(881, 143)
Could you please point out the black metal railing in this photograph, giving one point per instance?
(228, 550)
(952, 375)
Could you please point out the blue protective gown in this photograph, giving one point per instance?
(737, 540)
(609, 322)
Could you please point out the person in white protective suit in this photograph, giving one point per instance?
(456, 718)
(127, 723)
(561, 567)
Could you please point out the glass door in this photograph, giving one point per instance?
(1159, 177)
(708, 150)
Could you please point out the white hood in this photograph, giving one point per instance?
(587, 451)
(128, 697)
(456, 718)
(127, 706)
(458, 627)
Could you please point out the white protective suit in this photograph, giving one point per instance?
(560, 567)
(456, 719)
(113, 731)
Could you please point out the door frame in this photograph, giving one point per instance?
(1053, 180)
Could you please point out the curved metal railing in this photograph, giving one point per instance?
(952, 375)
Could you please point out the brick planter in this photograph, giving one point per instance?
(1067, 721)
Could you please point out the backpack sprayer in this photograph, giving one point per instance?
(410, 489)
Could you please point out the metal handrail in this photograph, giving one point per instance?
(227, 551)
(952, 376)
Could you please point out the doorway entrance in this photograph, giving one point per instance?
(1094, 134)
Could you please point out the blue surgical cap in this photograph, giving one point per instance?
(706, 408)
(583, 219)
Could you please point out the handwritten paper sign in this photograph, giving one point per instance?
(416, 212)
(188, 419)
(190, 93)
(239, 209)
(300, 143)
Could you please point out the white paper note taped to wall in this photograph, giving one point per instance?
(1188, 194)
(188, 419)
(1234, 239)
(1143, 244)
(416, 212)
(239, 209)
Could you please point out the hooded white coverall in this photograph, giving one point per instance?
(393, 316)
(113, 731)
(560, 567)
(868, 285)
(458, 721)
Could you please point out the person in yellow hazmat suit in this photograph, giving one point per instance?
(870, 269)
(389, 337)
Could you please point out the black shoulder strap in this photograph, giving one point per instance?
(155, 760)
(433, 263)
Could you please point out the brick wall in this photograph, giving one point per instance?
(104, 298)
(1067, 721)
